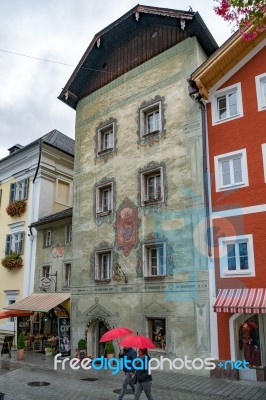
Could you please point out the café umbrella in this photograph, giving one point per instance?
(114, 333)
(138, 341)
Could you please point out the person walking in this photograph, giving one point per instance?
(130, 354)
(144, 380)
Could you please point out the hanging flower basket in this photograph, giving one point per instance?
(16, 208)
(12, 261)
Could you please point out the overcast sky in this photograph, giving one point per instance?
(58, 30)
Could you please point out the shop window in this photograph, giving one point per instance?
(227, 104)
(261, 91)
(68, 233)
(236, 256)
(19, 190)
(231, 170)
(154, 259)
(152, 187)
(14, 243)
(157, 332)
(103, 265)
(249, 341)
(66, 274)
(47, 238)
(105, 139)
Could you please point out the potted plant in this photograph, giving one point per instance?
(109, 349)
(12, 261)
(82, 348)
(20, 346)
(16, 208)
(48, 351)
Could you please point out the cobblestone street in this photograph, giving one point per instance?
(102, 385)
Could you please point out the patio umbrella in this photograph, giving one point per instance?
(115, 333)
(138, 341)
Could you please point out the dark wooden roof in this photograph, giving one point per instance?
(137, 36)
(53, 217)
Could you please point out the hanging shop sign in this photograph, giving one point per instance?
(64, 336)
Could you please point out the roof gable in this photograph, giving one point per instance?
(139, 35)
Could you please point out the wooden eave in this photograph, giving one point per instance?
(121, 31)
(223, 60)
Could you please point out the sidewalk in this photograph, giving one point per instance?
(165, 382)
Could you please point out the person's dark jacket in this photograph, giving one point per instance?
(130, 354)
(143, 375)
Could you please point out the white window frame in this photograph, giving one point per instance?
(146, 259)
(99, 276)
(263, 149)
(66, 275)
(226, 92)
(259, 80)
(47, 240)
(108, 186)
(223, 242)
(101, 148)
(144, 115)
(68, 233)
(11, 297)
(144, 186)
(218, 173)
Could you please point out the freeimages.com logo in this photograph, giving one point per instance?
(152, 364)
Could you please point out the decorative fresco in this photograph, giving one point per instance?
(154, 137)
(58, 250)
(126, 227)
(110, 153)
(153, 207)
(104, 218)
(154, 237)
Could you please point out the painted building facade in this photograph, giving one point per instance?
(139, 258)
(233, 82)
(39, 174)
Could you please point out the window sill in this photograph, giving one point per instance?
(103, 152)
(233, 187)
(103, 213)
(150, 134)
(102, 280)
(221, 121)
(237, 273)
(150, 277)
(155, 201)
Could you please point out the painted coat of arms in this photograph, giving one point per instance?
(126, 225)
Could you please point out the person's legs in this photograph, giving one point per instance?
(147, 389)
(138, 390)
(124, 387)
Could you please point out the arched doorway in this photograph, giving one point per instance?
(96, 328)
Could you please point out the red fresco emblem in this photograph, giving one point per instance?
(127, 229)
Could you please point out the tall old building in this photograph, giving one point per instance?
(139, 252)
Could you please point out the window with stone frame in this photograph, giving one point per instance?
(154, 259)
(104, 199)
(68, 233)
(151, 119)
(105, 139)
(66, 274)
(157, 332)
(103, 265)
(152, 186)
(47, 238)
(45, 271)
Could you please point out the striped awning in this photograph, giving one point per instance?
(241, 301)
(42, 302)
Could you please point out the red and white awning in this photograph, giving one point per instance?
(241, 301)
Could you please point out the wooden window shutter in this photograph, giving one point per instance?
(12, 192)
(21, 243)
(8, 244)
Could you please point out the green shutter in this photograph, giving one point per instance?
(12, 192)
(8, 244)
(25, 191)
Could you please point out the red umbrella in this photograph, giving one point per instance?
(252, 325)
(114, 334)
(138, 341)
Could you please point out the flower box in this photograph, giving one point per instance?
(16, 208)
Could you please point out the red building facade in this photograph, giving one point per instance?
(234, 84)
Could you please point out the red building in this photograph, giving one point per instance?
(231, 88)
